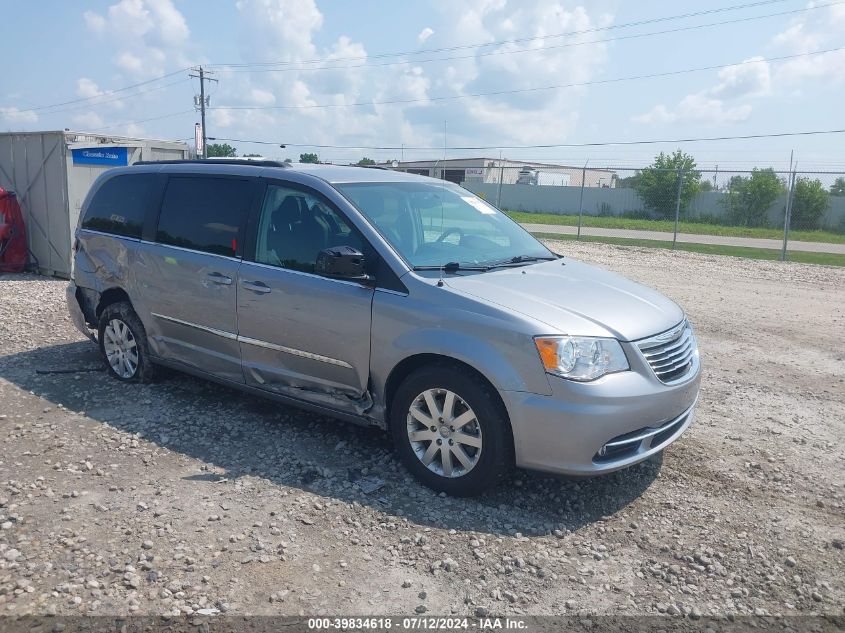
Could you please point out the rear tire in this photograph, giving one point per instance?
(451, 431)
(123, 344)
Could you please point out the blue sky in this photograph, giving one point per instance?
(91, 49)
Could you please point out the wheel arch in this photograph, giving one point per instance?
(412, 363)
(110, 296)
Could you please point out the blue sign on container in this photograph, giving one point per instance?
(113, 156)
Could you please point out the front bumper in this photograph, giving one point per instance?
(75, 311)
(601, 426)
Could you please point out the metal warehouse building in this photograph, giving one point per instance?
(491, 170)
(51, 173)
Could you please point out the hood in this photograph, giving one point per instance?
(575, 298)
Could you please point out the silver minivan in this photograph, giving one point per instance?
(386, 299)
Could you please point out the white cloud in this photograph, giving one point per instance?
(279, 30)
(129, 62)
(87, 88)
(812, 31)
(426, 33)
(533, 116)
(146, 33)
(88, 121)
(287, 31)
(171, 25)
(696, 108)
(133, 129)
(222, 118)
(94, 21)
(752, 78)
(14, 115)
(261, 97)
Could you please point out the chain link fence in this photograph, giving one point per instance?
(762, 213)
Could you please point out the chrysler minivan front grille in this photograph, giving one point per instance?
(672, 354)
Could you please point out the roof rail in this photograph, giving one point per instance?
(216, 161)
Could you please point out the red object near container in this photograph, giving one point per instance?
(13, 250)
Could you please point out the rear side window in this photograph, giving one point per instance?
(203, 214)
(119, 206)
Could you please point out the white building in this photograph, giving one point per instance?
(492, 170)
(51, 173)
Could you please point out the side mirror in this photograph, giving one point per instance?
(342, 262)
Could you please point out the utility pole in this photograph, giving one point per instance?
(201, 102)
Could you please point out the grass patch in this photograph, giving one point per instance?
(692, 228)
(825, 259)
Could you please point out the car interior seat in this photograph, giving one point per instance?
(297, 235)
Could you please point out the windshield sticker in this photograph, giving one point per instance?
(479, 205)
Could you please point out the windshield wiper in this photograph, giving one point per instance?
(451, 267)
(520, 260)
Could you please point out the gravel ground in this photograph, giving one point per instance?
(182, 496)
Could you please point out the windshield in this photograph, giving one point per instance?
(434, 224)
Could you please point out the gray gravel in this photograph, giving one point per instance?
(185, 497)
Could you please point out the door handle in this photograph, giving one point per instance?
(219, 278)
(256, 286)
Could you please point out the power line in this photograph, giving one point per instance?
(120, 98)
(595, 82)
(446, 49)
(108, 92)
(544, 146)
(543, 49)
(463, 47)
(155, 118)
(513, 41)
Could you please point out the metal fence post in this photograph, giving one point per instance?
(787, 215)
(581, 200)
(499, 188)
(678, 206)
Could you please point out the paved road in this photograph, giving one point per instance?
(812, 247)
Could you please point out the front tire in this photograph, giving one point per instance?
(451, 431)
(123, 344)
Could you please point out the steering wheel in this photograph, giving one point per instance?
(449, 232)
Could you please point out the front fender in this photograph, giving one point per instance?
(498, 347)
(501, 368)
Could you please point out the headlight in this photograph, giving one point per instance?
(580, 358)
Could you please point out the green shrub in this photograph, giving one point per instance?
(809, 203)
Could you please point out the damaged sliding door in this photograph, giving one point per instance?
(303, 335)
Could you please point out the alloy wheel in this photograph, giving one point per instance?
(444, 433)
(121, 348)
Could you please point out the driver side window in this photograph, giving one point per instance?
(295, 226)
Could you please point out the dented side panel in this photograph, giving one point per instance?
(306, 336)
(104, 261)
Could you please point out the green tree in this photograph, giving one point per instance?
(365, 161)
(809, 202)
(222, 150)
(705, 185)
(657, 184)
(838, 187)
(629, 182)
(308, 157)
(749, 197)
